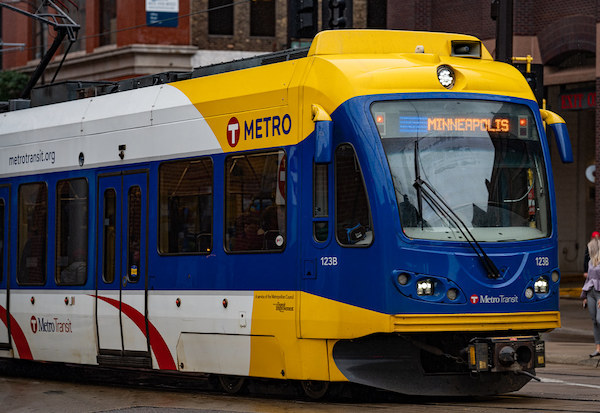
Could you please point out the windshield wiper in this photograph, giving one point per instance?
(437, 203)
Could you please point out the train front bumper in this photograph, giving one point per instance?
(450, 364)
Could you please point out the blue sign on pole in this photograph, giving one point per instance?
(162, 13)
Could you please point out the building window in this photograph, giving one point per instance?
(71, 231)
(107, 11)
(376, 14)
(353, 216)
(32, 234)
(220, 17)
(262, 18)
(186, 206)
(255, 202)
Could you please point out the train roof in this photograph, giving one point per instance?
(373, 61)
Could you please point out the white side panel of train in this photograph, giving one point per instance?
(157, 122)
(57, 325)
(201, 334)
(109, 324)
(134, 339)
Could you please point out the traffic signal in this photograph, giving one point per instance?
(303, 19)
(535, 79)
(337, 14)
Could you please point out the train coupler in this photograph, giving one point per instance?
(497, 354)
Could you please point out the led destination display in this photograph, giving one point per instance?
(414, 124)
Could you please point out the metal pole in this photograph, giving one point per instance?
(504, 29)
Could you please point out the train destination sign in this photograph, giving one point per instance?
(415, 124)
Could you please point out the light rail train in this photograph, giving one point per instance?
(377, 209)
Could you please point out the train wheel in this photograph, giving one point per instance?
(232, 384)
(315, 389)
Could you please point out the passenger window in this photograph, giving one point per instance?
(186, 206)
(320, 202)
(109, 235)
(71, 231)
(134, 235)
(353, 216)
(255, 202)
(32, 234)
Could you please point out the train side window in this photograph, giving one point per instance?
(186, 206)
(109, 235)
(32, 234)
(1, 239)
(255, 202)
(134, 235)
(353, 215)
(320, 202)
(71, 231)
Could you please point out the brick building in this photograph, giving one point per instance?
(114, 41)
(560, 34)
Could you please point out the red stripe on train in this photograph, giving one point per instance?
(17, 335)
(157, 343)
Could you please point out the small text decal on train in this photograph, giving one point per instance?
(490, 299)
(259, 128)
(54, 325)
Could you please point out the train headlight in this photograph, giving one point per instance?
(541, 286)
(452, 294)
(403, 278)
(425, 287)
(529, 293)
(445, 76)
(555, 276)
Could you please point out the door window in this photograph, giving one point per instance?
(109, 235)
(353, 216)
(134, 232)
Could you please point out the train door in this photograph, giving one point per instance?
(4, 310)
(121, 312)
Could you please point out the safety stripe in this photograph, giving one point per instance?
(157, 343)
(17, 335)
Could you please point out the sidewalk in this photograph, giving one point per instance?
(571, 353)
(574, 340)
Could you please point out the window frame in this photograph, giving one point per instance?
(212, 202)
(270, 151)
(44, 256)
(57, 223)
(336, 200)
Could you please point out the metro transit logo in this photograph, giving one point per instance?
(492, 299)
(233, 132)
(258, 128)
(39, 324)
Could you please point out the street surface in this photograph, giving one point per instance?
(570, 383)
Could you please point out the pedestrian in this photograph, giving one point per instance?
(591, 290)
(586, 257)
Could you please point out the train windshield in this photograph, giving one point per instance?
(465, 165)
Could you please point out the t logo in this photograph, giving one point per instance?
(34, 325)
(233, 132)
(474, 299)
